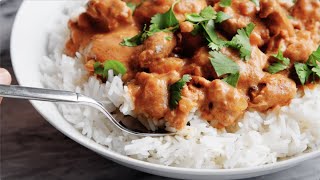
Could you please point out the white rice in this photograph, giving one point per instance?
(262, 138)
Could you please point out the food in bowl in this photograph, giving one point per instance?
(237, 80)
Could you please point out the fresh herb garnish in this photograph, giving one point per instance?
(256, 2)
(205, 22)
(159, 22)
(225, 66)
(102, 69)
(281, 64)
(225, 3)
(132, 6)
(221, 16)
(166, 20)
(241, 41)
(175, 91)
(310, 68)
(314, 57)
(303, 72)
(168, 38)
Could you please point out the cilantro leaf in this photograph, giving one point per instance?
(222, 64)
(276, 67)
(314, 57)
(225, 3)
(256, 2)
(166, 20)
(208, 13)
(241, 41)
(134, 41)
(132, 6)
(281, 64)
(221, 16)
(232, 79)
(316, 70)
(225, 66)
(175, 91)
(102, 69)
(116, 66)
(205, 15)
(195, 18)
(159, 22)
(215, 43)
(98, 69)
(303, 72)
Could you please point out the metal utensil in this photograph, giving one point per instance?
(51, 95)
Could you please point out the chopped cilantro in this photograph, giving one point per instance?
(256, 2)
(102, 69)
(159, 22)
(175, 91)
(225, 66)
(310, 68)
(232, 79)
(225, 3)
(314, 57)
(281, 64)
(221, 16)
(166, 20)
(132, 6)
(241, 41)
(168, 38)
(303, 72)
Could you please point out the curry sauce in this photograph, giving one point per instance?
(162, 58)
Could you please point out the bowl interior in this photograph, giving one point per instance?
(28, 46)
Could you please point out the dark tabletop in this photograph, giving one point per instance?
(32, 149)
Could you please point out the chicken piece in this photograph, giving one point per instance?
(150, 93)
(158, 46)
(307, 11)
(243, 12)
(251, 72)
(201, 58)
(192, 96)
(300, 47)
(223, 105)
(149, 8)
(273, 90)
(80, 33)
(187, 7)
(110, 14)
(165, 65)
(107, 46)
(277, 18)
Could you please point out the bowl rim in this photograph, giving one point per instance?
(102, 150)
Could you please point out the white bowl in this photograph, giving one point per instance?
(28, 46)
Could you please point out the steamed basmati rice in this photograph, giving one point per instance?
(261, 139)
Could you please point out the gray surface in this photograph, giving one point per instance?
(32, 149)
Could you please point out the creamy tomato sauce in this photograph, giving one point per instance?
(163, 58)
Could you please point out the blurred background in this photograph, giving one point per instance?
(32, 149)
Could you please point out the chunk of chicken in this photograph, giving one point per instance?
(273, 90)
(158, 46)
(110, 14)
(149, 8)
(150, 93)
(278, 21)
(165, 65)
(300, 47)
(307, 11)
(224, 105)
(243, 12)
(251, 72)
(107, 46)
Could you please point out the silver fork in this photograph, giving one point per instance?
(51, 95)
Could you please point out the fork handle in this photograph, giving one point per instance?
(40, 94)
